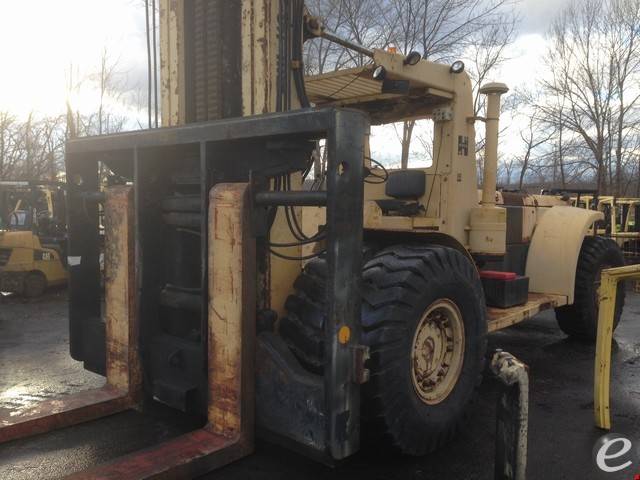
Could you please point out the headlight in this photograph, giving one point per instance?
(457, 67)
(379, 73)
(413, 58)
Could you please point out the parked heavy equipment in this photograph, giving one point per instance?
(376, 329)
(32, 236)
(620, 221)
(621, 224)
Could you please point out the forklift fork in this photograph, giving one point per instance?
(228, 434)
(122, 389)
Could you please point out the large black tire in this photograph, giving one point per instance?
(35, 284)
(580, 320)
(400, 284)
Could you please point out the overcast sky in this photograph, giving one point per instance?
(536, 14)
(41, 39)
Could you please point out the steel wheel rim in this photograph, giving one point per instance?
(437, 351)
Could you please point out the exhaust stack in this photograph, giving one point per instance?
(493, 91)
(488, 223)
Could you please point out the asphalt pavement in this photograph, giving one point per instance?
(35, 365)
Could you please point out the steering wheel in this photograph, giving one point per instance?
(12, 216)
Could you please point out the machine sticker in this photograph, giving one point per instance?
(463, 145)
(40, 255)
(74, 261)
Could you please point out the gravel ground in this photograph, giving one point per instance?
(34, 364)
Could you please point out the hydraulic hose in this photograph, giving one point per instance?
(297, 53)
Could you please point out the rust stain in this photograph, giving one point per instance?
(175, 458)
(63, 412)
(227, 391)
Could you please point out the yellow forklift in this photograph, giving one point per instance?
(32, 237)
(356, 311)
(620, 222)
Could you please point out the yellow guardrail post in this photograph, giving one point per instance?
(602, 372)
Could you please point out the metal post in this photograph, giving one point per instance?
(606, 312)
(342, 328)
(512, 417)
(291, 198)
(85, 323)
(356, 47)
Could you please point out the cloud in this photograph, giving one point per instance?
(537, 14)
(76, 32)
(41, 40)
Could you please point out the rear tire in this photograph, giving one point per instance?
(415, 299)
(580, 320)
(35, 285)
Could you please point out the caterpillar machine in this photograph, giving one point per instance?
(319, 317)
(32, 236)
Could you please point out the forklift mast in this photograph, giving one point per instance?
(220, 61)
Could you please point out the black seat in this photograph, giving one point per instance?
(405, 187)
(406, 184)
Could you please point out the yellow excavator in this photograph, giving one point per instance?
(32, 237)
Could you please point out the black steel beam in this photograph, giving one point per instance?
(267, 199)
(314, 123)
(86, 328)
(345, 186)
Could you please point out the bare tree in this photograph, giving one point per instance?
(32, 149)
(593, 62)
(111, 84)
(487, 53)
(361, 21)
(623, 22)
(8, 148)
(439, 29)
(557, 122)
(505, 170)
(532, 140)
(320, 54)
(444, 29)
